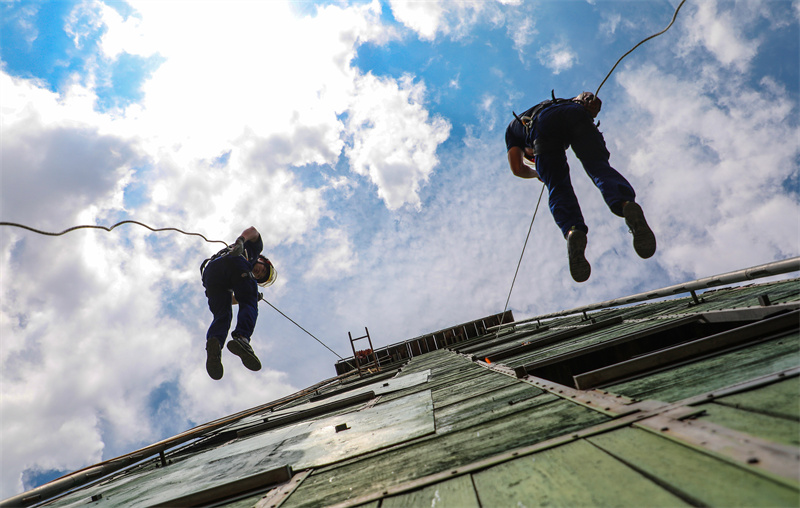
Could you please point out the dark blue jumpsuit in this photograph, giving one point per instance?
(232, 273)
(557, 127)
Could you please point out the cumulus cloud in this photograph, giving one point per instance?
(335, 257)
(714, 155)
(450, 18)
(557, 57)
(719, 32)
(522, 34)
(394, 139)
(102, 333)
(88, 360)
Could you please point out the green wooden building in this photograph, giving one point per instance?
(642, 401)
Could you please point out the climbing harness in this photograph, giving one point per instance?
(221, 254)
(265, 280)
(528, 121)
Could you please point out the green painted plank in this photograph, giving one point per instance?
(434, 454)
(696, 475)
(504, 402)
(781, 399)
(716, 372)
(472, 387)
(455, 493)
(575, 474)
(779, 430)
(585, 341)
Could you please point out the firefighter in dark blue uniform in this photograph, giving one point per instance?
(231, 277)
(541, 135)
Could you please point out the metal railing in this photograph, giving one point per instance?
(755, 272)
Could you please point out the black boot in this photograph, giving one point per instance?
(579, 267)
(214, 358)
(241, 348)
(644, 240)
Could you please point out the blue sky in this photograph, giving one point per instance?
(365, 142)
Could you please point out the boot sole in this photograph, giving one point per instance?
(579, 266)
(644, 240)
(249, 360)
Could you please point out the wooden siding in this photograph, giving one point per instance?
(446, 430)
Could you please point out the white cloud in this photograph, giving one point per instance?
(610, 23)
(25, 19)
(335, 257)
(234, 130)
(83, 21)
(79, 367)
(557, 57)
(719, 32)
(522, 34)
(422, 17)
(394, 138)
(713, 152)
(452, 18)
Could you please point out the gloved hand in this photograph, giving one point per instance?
(237, 249)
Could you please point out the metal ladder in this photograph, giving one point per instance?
(365, 354)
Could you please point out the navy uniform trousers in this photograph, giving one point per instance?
(570, 124)
(221, 277)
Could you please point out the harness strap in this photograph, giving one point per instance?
(221, 254)
(546, 145)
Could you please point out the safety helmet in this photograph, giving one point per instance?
(270, 275)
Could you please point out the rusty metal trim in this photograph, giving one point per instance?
(602, 401)
(778, 462)
(276, 497)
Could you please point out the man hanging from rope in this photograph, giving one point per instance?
(232, 276)
(541, 136)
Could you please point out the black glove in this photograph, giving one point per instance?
(237, 249)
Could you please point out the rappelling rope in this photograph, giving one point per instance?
(261, 297)
(674, 16)
(520, 256)
(89, 226)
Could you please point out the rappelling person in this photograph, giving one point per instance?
(541, 135)
(232, 276)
